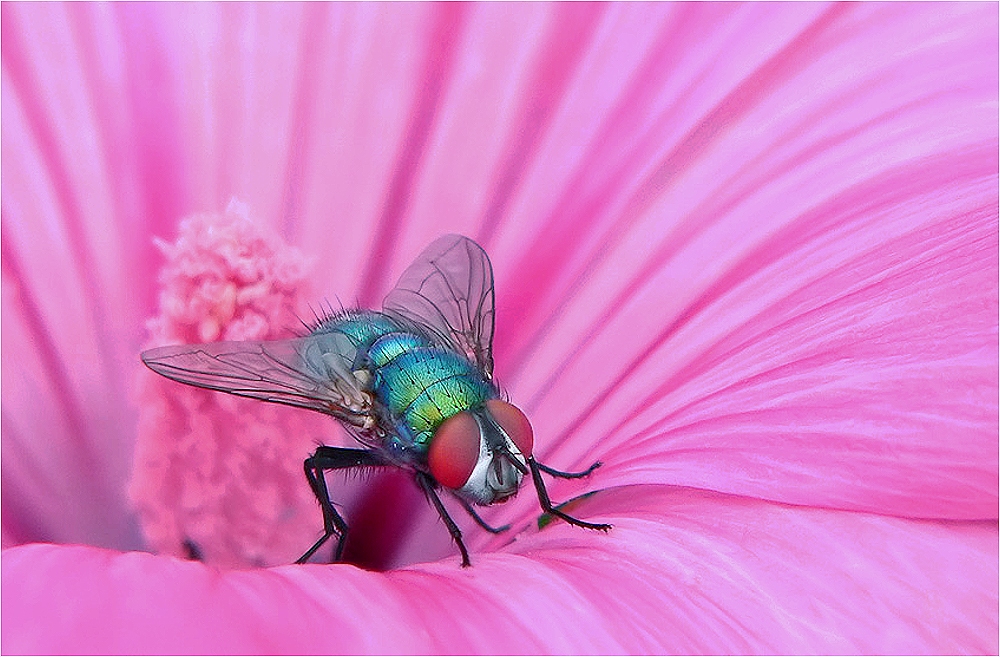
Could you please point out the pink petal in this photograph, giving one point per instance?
(838, 375)
(683, 571)
(745, 248)
(69, 328)
(804, 312)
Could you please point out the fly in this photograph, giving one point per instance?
(412, 383)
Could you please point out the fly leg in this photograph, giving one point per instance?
(567, 475)
(333, 458)
(543, 495)
(427, 485)
(479, 521)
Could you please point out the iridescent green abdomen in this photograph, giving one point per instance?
(422, 387)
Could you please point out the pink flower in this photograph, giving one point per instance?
(746, 255)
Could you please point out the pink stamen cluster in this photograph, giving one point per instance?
(218, 477)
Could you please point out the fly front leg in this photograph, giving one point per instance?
(333, 458)
(479, 521)
(567, 475)
(427, 485)
(543, 495)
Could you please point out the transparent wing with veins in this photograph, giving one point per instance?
(310, 372)
(448, 290)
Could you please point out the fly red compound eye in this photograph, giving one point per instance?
(454, 450)
(514, 423)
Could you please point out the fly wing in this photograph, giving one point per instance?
(311, 372)
(449, 290)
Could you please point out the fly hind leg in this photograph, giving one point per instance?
(333, 458)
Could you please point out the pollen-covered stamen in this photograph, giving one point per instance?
(454, 450)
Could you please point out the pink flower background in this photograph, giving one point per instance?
(746, 255)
